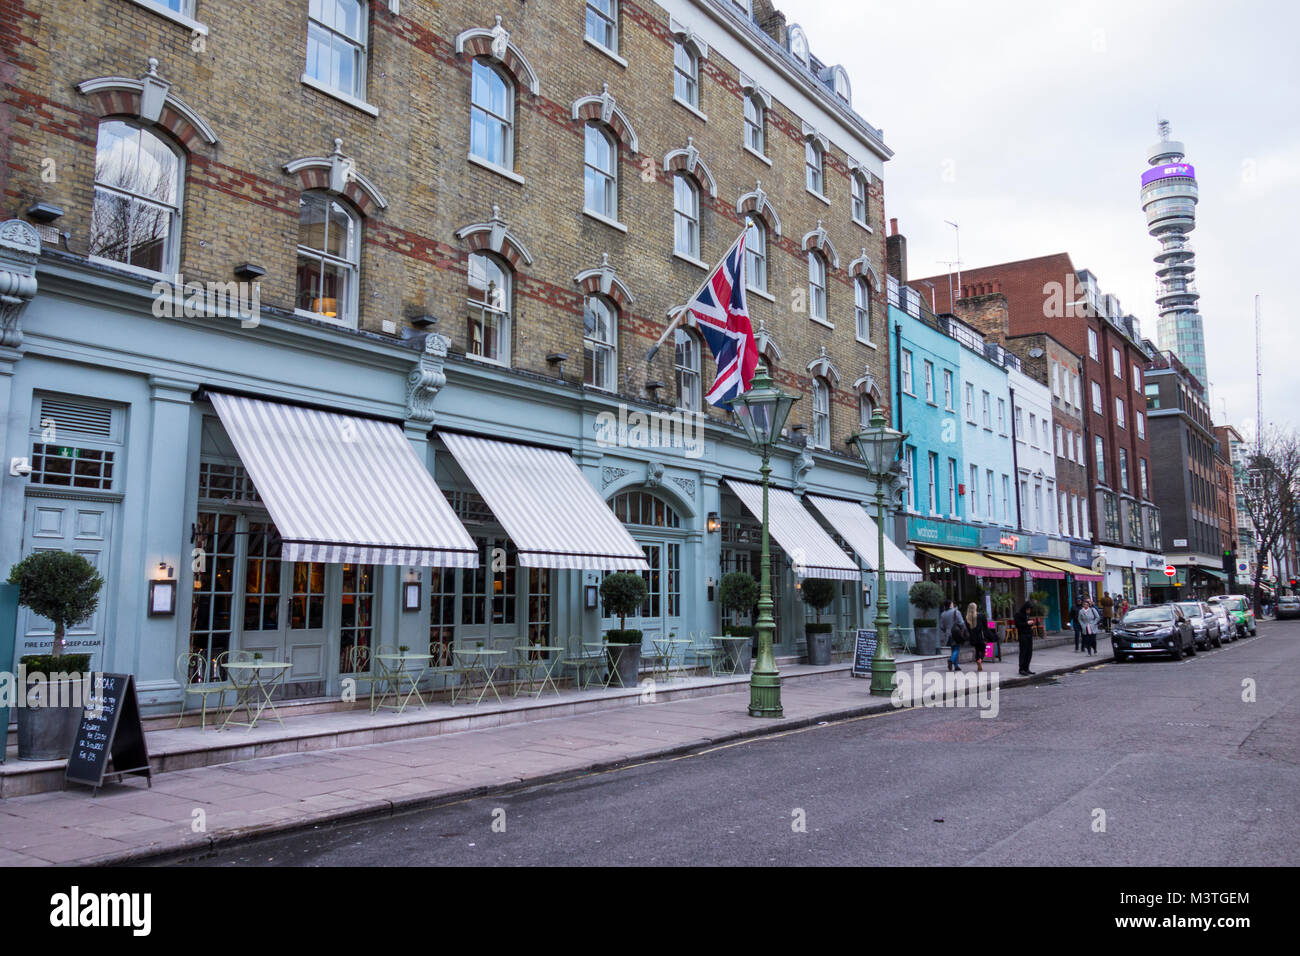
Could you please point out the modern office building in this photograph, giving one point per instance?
(1169, 194)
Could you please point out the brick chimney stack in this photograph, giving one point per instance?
(896, 253)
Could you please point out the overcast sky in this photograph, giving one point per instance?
(1027, 123)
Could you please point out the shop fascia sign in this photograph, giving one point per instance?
(927, 531)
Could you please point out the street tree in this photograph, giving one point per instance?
(1271, 492)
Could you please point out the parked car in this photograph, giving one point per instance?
(1226, 627)
(1205, 625)
(1241, 613)
(1153, 629)
(1288, 605)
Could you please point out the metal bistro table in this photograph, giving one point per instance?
(395, 670)
(612, 674)
(733, 655)
(547, 658)
(252, 691)
(666, 648)
(477, 661)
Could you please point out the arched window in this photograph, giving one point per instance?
(860, 210)
(816, 286)
(599, 343)
(686, 76)
(866, 408)
(600, 173)
(813, 165)
(686, 361)
(821, 423)
(755, 124)
(329, 251)
(492, 115)
(336, 45)
(862, 308)
(136, 219)
(643, 508)
(756, 254)
(488, 325)
(686, 216)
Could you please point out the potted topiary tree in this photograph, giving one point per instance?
(623, 593)
(738, 594)
(63, 587)
(926, 596)
(818, 593)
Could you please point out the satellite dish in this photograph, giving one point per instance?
(1035, 352)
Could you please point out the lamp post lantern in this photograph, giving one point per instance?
(879, 445)
(762, 412)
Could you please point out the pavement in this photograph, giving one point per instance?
(188, 812)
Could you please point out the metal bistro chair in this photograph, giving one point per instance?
(203, 678)
(704, 651)
(585, 664)
(356, 664)
(655, 659)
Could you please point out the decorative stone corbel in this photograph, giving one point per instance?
(802, 465)
(427, 378)
(654, 473)
(20, 247)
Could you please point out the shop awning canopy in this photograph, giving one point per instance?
(553, 515)
(1079, 572)
(343, 489)
(1035, 567)
(1210, 572)
(811, 550)
(851, 521)
(976, 563)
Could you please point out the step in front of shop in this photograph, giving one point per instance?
(329, 725)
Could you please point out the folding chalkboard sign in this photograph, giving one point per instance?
(110, 733)
(864, 649)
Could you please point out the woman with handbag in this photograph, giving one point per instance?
(977, 627)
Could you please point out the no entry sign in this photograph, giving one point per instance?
(1170, 570)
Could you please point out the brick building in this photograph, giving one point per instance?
(1185, 480)
(1047, 295)
(427, 215)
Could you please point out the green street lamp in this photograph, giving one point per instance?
(879, 445)
(762, 412)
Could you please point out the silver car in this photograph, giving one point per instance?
(1226, 630)
(1205, 624)
(1288, 605)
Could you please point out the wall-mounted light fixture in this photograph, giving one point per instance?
(714, 523)
(248, 271)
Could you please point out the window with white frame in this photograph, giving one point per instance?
(1142, 477)
(756, 254)
(952, 487)
(602, 23)
(1137, 378)
(1074, 389)
(599, 343)
(136, 218)
(866, 408)
(686, 75)
(927, 368)
(1078, 448)
(821, 418)
(862, 308)
(1059, 440)
(1116, 363)
(973, 492)
(488, 319)
(686, 216)
(813, 166)
(1120, 419)
(1046, 441)
(1002, 416)
(1096, 398)
(1092, 345)
(1006, 498)
(1056, 378)
(970, 403)
(329, 251)
(1099, 447)
(1123, 469)
(491, 115)
(1140, 422)
(947, 390)
(600, 173)
(1033, 429)
(816, 286)
(336, 45)
(686, 362)
(988, 421)
(1064, 513)
(988, 494)
(934, 483)
(1020, 423)
(859, 198)
(755, 124)
(905, 362)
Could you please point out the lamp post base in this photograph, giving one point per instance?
(765, 695)
(882, 677)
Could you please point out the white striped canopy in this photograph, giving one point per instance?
(851, 521)
(813, 552)
(554, 516)
(343, 489)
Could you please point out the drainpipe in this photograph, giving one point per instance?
(898, 372)
(1015, 462)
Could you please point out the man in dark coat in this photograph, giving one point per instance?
(1025, 635)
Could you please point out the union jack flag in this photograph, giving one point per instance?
(722, 316)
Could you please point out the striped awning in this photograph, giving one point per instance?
(976, 563)
(851, 521)
(554, 516)
(343, 489)
(811, 550)
(1035, 567)
(1079, 572)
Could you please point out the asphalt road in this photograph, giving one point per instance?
(1168, 756)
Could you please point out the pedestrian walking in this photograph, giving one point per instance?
(1025, 635)
(1107, 609)
(977, 626)
(952, 628)
(1078, 631)
(1088, 618)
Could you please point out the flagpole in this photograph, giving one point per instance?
(649, 356)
